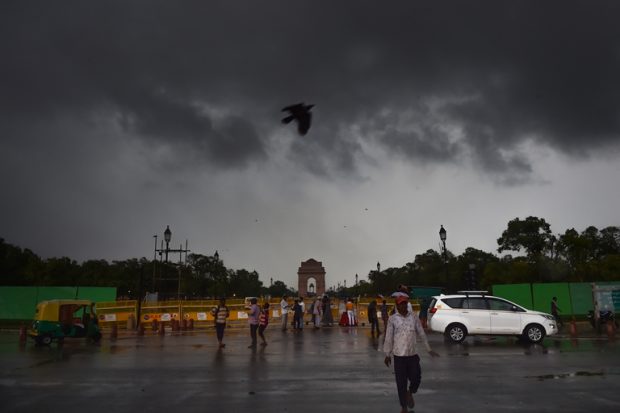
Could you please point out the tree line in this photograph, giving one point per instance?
(538, 255)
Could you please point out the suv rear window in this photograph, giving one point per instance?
(454, 302)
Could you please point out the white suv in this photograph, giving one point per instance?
(474, 312)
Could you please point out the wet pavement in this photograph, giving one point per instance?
(332, 369)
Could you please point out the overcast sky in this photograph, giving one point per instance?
(118, 118)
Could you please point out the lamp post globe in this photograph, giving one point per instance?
(443, 236)
(442, 233)
(167, 238)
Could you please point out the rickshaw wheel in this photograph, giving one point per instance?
(46, 339)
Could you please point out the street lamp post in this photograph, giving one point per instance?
(443, 236)
(164, 252)
(472, 276)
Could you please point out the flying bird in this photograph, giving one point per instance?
(300, 113)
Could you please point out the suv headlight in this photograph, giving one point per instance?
(549, 317)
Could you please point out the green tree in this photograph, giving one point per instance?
(17, 266)
(472, 263)
(610, 241)
(575, 249)
(279, 288)
(532, 234)
(244, 283)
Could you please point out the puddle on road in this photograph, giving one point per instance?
(567, 375)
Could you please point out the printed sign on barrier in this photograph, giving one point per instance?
(275, 313)
(201, 316)
(242, 314)
(109, 317)
(166, 317)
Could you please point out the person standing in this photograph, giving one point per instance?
(303, 312)
(220, 314)
(373, 320)
(400, 343)
(327, 319)
(384, 313)
(253, 315)
(263, 322)
(350, 313)
(284, 307)
(297, 315)
(317, 311)
(555, 310)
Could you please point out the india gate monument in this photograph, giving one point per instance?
(311, 276)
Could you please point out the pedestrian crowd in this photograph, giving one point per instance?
(401, 329)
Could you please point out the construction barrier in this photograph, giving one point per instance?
(187, 315)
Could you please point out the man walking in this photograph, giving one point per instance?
(253, 316)
(284, 311)
(373, 320)
(220, 314)
(400, 343)
(384, 312)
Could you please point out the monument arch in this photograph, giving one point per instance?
(311, 278)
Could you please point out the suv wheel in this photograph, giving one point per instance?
(534, 333)
(456, 332)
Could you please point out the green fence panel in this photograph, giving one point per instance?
(581, 298)
(55, 293)
(97, 294)
(543, 293)
(517, 293)
(17, 303)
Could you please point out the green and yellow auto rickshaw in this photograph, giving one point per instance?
(59, 319)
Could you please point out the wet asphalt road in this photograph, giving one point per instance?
(331, 370)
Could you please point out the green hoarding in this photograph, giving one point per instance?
(517, 293)
(19, 303)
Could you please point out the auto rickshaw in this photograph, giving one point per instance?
(58, 319)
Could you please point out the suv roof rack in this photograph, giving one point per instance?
(470, 292)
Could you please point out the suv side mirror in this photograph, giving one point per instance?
(514, 308)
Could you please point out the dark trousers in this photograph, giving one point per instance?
(374, 324)
(407, 369)
(253, 328)
(261, 330)
(219, 330)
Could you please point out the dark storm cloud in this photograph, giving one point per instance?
(499, 71)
